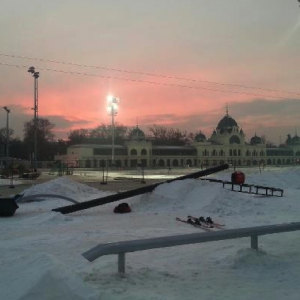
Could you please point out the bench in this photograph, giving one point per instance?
(120, 248)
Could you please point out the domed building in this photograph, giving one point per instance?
(138, 149)
(255, 140)
(227, 124)
(137, 134)
(227, 144)
(200, 137)
(228, 132)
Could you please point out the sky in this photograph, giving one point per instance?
(172, 63)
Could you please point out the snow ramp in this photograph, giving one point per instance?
(131, 193)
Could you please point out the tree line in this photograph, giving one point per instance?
(48, 146)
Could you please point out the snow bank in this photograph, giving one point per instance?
(40, 251)
(64, 186)
(43, 277)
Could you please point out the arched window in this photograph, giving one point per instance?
(161, 163)
(239, 152)
(175, 163)
(95, 163)
(189, 162)
(234, 140)
(214, 153)
(262, 153)
(221, 153)
(230, 152)
(88, 163)
(133, 152)
(144, 152)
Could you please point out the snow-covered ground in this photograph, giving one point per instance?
(40, 250)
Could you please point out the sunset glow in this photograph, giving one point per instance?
(172, 63)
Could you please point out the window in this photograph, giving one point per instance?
(133, 152)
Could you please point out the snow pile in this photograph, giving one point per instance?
(43, 277)
(64, 186)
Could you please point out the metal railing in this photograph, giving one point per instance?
(120, 248)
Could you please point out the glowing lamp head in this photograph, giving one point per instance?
(109, 99)
(112, 105)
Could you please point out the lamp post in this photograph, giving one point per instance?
(112, 109)
(35, 75)
(7, 130)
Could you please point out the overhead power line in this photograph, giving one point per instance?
(148, 74)
(148, 82)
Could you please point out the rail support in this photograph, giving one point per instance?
(254, 242)
(121, 263)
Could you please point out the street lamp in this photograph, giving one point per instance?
(7, 130)
(112, 109)
(35, 75)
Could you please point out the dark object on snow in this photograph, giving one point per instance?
(131, 193)
(122, 208)
(8, 206)
(238, 177)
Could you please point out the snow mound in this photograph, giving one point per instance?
(44, 277)
(253, 259)
(64, 186)
(186, 194)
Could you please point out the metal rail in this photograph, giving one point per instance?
(249, 188)
(120, 248)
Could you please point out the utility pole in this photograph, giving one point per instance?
(35, 75)
(112, 109)
(7, 130)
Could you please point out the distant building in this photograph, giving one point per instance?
(227, 144)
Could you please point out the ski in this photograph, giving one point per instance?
(207, 221)
(196, 224)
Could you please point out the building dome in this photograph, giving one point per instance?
(296, 139)
(226, 124)
(255, 140)
(200, 137)
(137, 134)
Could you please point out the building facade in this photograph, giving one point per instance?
(227, 144)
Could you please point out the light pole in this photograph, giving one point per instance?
(112, 109)
(7, 130)
(35, 75)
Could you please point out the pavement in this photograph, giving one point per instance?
(116, 181)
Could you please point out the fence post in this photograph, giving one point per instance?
(121, 263)
(254, 242)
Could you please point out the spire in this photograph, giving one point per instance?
(227, 109)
